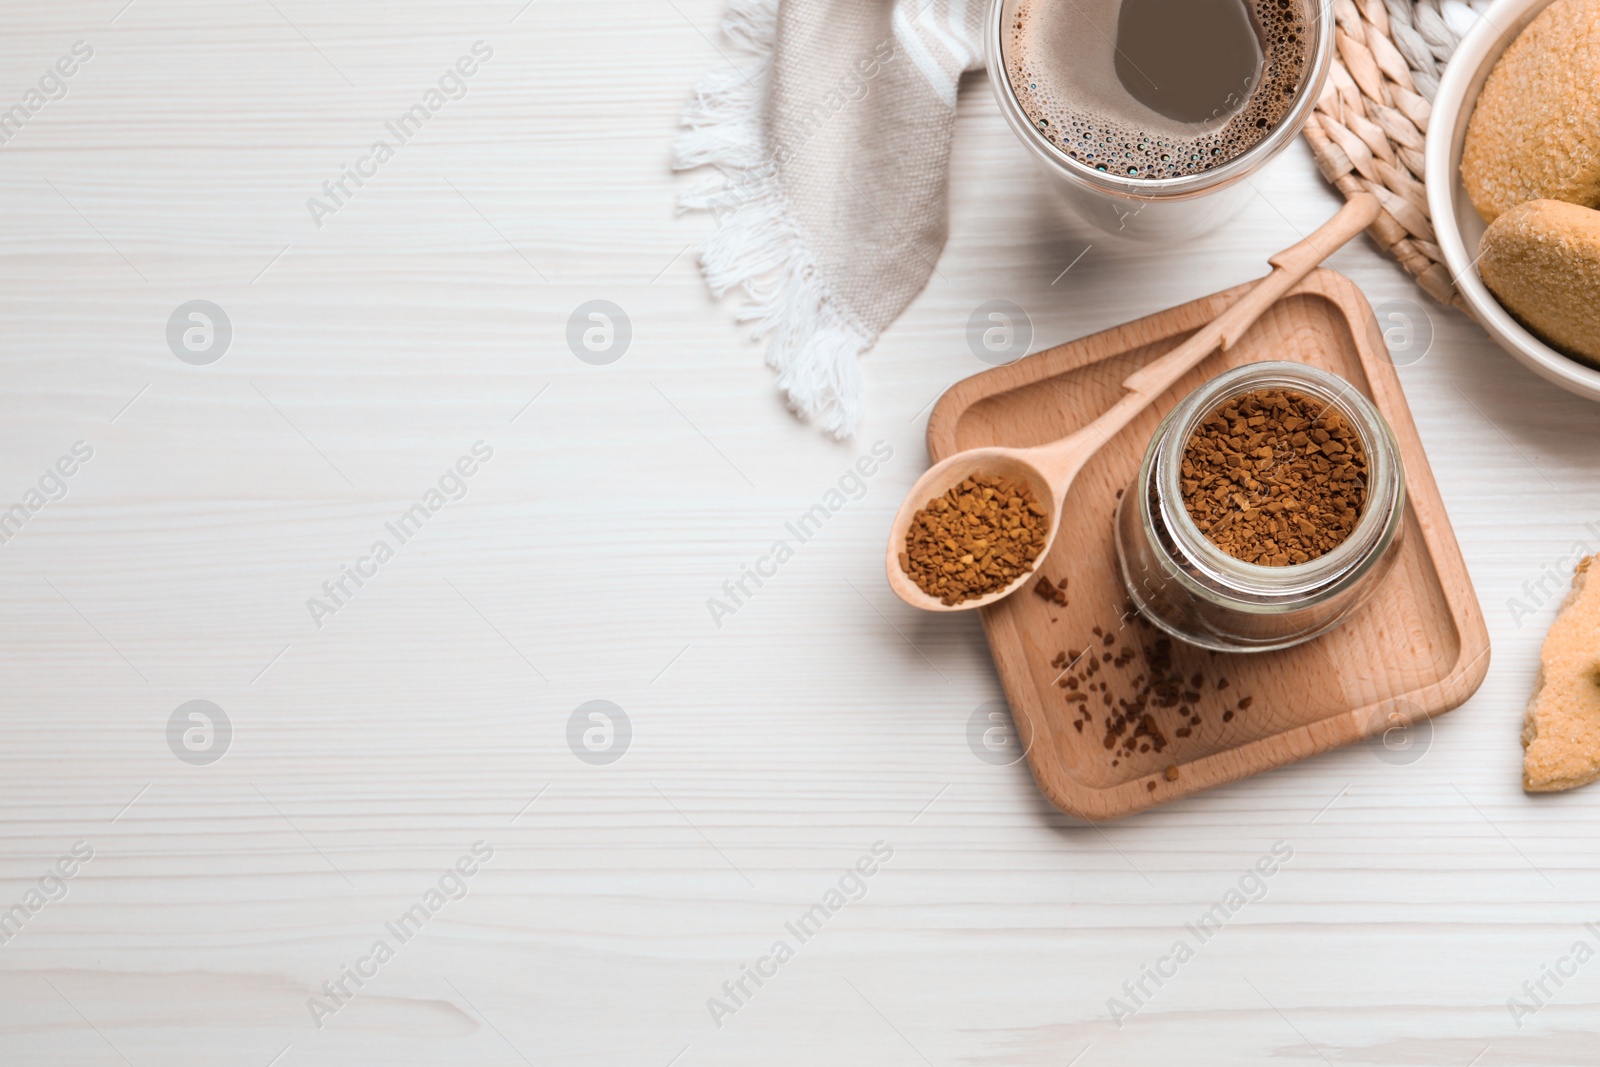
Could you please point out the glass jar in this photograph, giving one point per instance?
(1198, 593)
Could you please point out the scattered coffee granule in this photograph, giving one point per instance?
(976, 539)
(1056, 594)
(1148, 676)
(1274, 477)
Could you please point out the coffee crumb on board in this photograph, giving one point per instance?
(1146, 699)
(1056, 594)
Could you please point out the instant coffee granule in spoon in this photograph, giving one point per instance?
(1274, 477)
(975, 539)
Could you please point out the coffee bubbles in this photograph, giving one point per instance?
(1156, 88)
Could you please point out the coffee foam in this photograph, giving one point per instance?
(1060, 59)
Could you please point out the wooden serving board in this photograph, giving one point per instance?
(1419, 647)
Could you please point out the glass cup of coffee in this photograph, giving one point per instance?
(1148, 114)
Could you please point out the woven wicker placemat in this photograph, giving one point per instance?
(1368, 128)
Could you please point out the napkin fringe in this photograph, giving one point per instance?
(813, 344)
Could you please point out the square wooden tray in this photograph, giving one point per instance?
(1417, 649)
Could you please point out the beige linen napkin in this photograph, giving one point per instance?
(830, 129)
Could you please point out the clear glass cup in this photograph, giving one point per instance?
(1155, 209)
(1193, 590)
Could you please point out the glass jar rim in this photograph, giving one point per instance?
(1267, 586)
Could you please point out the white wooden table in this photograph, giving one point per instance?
(431, 709)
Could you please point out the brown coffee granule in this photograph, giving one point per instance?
(977, 538)
(1056, 594)
(1274, 477)
(1152, 694)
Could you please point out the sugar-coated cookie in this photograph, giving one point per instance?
(1541, 260)
(1561, 730)
(1535, 133)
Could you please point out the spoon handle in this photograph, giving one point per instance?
(1061, 459)
(1289, 267)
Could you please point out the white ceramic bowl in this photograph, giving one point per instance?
(1456, 221)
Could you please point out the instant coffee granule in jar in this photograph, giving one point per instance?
(975, 539)
(1237, 484)
(1274, 477)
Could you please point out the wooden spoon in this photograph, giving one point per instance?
(1049, 469)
